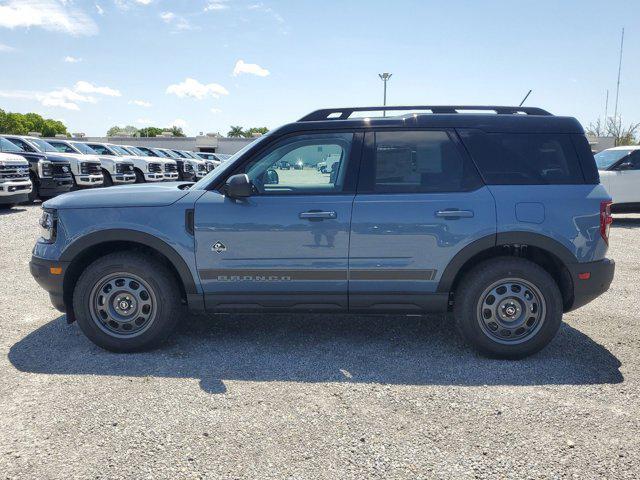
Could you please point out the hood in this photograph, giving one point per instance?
(72, 156)
(136, 195)
(144, 159)
(11, 159)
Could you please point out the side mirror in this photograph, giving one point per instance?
(238, 186)
(271, 177)
(625, 166)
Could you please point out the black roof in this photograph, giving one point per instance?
(496, 119)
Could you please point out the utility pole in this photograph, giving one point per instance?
(615, 110)
(385, 78)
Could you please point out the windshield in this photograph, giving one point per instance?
(135, 151)
(159, 153)
(42, 145)
(220, 170)
(7, 146)
(119, 150)
(64, 147)
(84, 148)
(607, 158)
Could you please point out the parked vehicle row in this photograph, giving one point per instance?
(620, 174)
(54, 166)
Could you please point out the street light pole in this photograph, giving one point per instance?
(385, 77)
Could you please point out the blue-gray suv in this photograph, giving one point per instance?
(495, 214)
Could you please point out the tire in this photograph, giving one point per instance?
(139, 176)
(106, 286)
(6, 206)
(513, 322)
(35, 186)
(107, 180)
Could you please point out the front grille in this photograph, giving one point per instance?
(124, 168)
(61, 169)
(90, 168)
(210, 166)
(14, 172)
(202, 167)
(170, 167)
(155, 168)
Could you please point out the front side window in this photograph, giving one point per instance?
(101, 149)
(22, 144)
(307, 164)
(63, 147)
(85, 149)
(419, 161)
(42, 145)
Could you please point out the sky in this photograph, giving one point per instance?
(205, 65)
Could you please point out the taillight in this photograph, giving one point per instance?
(605, 220)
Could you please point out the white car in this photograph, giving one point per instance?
(170, 165)
(86, 170)
(15, 185)
(620, 174)
(145, 169)
(115, 170)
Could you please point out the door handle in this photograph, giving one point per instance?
(454, 214)
(317, 215)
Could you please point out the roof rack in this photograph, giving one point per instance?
(345, 113)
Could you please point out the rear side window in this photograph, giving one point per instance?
(417, 161)
(523, 158)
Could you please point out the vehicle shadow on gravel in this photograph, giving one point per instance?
(626, 222)
(9, 211)
(317, 348)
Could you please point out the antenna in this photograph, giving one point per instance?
(525, 97)
(615, 111)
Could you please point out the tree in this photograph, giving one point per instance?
(255, 130)
(150, 131)
(623, 135)
(128, 131)
(235, 132)
(177, 131)
(22, 124)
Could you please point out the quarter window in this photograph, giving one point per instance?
(420, 161)
(305, 164)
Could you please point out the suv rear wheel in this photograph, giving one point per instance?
(127, 302)
(508, 307)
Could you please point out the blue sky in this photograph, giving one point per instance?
(209, 64)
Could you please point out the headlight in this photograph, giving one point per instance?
(84, 168)
(48, 226)
(45, 169)
(188, 167)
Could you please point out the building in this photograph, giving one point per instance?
(202, 143)
(599, 144)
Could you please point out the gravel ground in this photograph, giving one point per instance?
(316, 396)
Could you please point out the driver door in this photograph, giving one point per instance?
(625, 182)
(286, 246)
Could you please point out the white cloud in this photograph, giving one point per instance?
(145, 121)
(215, 110)
(251, 68)
(167, 16)
(99, 9)
(194, 89)
(86, 87)
(213, 5)
(6, 48)
(140, 103)
(144, 2)
(70, 59)
(261, 7)
(178, 122)
(180, 23)
(127, 4)
(63, 98)
(47, 14)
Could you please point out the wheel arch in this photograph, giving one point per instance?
(540, 249)
(87, 249)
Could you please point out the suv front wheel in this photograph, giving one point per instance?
(126, 302)
(508, 307)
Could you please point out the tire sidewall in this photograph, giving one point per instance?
(157, 278)
(466, 306)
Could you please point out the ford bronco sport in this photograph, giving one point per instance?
(495, 214)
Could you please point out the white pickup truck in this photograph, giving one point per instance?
(15, 185)
(145, 169)
(85, 169)
(115, 170)
(620, 174)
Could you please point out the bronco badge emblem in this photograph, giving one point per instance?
(219, 247)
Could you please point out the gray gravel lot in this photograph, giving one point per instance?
(316, 396)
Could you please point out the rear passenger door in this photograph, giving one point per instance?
(420, 200)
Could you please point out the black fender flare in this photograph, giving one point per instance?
(495, 240)
(121, 234)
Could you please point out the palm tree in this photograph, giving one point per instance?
(235, 132)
